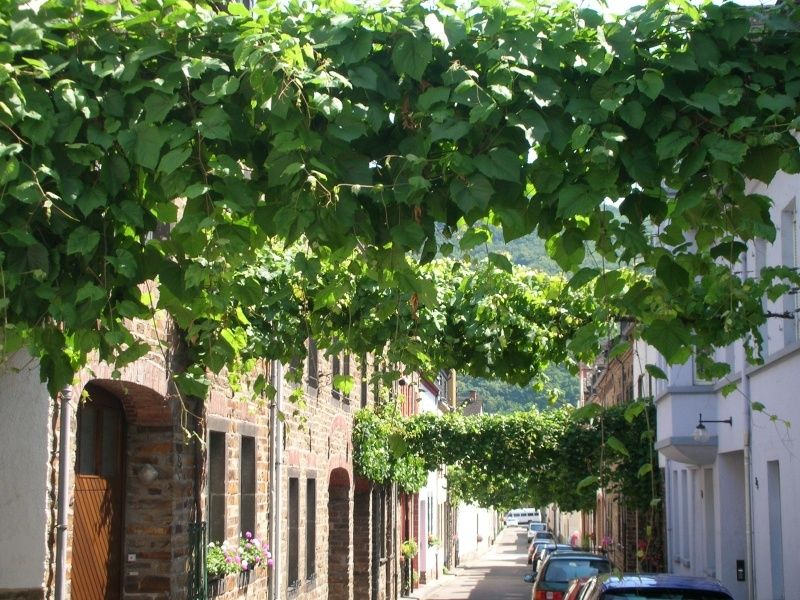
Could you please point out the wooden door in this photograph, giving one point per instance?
(99, 494)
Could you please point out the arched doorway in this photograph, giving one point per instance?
(99, 498)
(364, 554)
(340, 564)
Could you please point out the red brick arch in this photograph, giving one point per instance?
(339, 478)
(143, 405)
(142, 387)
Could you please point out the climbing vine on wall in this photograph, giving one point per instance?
(521, 459)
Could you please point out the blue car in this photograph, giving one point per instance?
(653, 586)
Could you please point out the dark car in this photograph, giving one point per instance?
(534, 547)
(549, 549)
(656, 586)
(539, 536)
(545, 551)
(559, 569)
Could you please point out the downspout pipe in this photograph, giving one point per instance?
(750, 572)
(63, 492)
(276, 451)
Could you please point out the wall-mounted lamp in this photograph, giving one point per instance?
(147, 474)
(701, 433)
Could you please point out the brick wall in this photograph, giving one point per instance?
(363, 544)
(156, 545)
(318, 444)
(237, 415)
(612, 384)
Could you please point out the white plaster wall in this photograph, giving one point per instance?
(24, 443)
(731, 520)
(473, 522)
(678, 413)
(783, 190)
(564, 524)
(776, 385)
(429, 556)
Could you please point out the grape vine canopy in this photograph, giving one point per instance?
(191, 145)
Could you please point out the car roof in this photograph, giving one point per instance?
(573, 554)
(651, 580)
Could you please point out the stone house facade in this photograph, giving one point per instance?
(615, 527)
(134, 477)
(337, 536)
(150, 477)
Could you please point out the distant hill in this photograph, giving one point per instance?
(499, 397)
(528, 251)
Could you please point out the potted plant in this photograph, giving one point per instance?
(240, 559)
(252, 553)
(433, 540)
(218, 560)
(408, 549)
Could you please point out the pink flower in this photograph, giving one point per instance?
(248, 534)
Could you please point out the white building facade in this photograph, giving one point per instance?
(731, 498)
(433, 505)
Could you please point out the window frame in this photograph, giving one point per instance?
(311, 528)
(217, 521)
(293, 533)
(247, 510)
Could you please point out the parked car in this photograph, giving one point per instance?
(575, 587)
(534, 546)
(654, 586)
(542, 536)
(535, 526)
(546, 550)
(559, 569)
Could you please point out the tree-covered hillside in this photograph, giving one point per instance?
(499, 397)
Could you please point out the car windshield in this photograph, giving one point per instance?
(656, 594)
(562, 571)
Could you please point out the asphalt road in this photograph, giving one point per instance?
(497, 575)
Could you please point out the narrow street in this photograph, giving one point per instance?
(493, 576)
